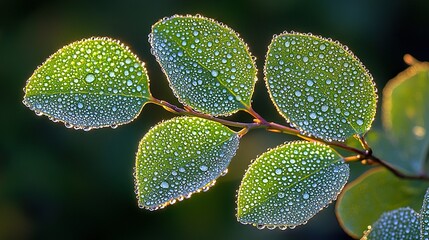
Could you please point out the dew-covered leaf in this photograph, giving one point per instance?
(424, 218)
(288, 185)
(319, 86)
(179, 157)
(399, 224)
(377, 191)
(405, 114)
(91, 83)
(208, 66)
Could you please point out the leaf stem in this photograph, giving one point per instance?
(365, 156)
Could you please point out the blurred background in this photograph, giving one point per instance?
(58, 183)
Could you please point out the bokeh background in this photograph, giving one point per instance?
(58, 183)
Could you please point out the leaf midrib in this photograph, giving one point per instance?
(245, 105)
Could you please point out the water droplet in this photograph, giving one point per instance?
(322, 47)
(310, 82)
(278, 171)
(80, 105)
(305, 196)
(310, 99)
(203, 168)
(313, 115)
(305, 59)
(280, 195)
(165, 185)
(129, 83)
(297, 93)
(324, 108)
(419, 131)
(90, 78)
(215, 73)
(359, 122)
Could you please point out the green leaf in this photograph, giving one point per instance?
(319, 86)
(400, 224)
(373, 193)
(406, 114)
(91, 83)
(288, 185)
(208, 66)
(424, 218)
(179, 157)
(392, 152)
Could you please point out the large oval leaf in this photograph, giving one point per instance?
(400, 224)
(377, 191)
(424, 218)
(288, 185)
(319, 86)
(179, 157)
(406, 114)
(208, 66)
(91, 83)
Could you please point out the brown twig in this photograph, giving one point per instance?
(365, 155)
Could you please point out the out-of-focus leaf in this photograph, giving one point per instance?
(406, 115)
(377, 191)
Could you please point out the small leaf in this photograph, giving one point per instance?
(208, 66)
(406, 114)
(91, 83)
(377, 191)
(424, 218)
(319, 86)
(179, 157)
(401, 224)
(288, 185)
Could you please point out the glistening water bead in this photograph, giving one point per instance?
(193, 50)
(320, 86)
(87, 84)
(179, 157)
(288, 185)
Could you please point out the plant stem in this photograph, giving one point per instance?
(365, 155)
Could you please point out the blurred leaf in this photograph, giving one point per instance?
(288, 185)
(406, 115)
(319, 86)
(373, 193)
(208, 66)
(179, 157)
(391, 152)
(401, 224)
(91, 83)
(424, 218)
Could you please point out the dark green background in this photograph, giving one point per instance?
(58, 183)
